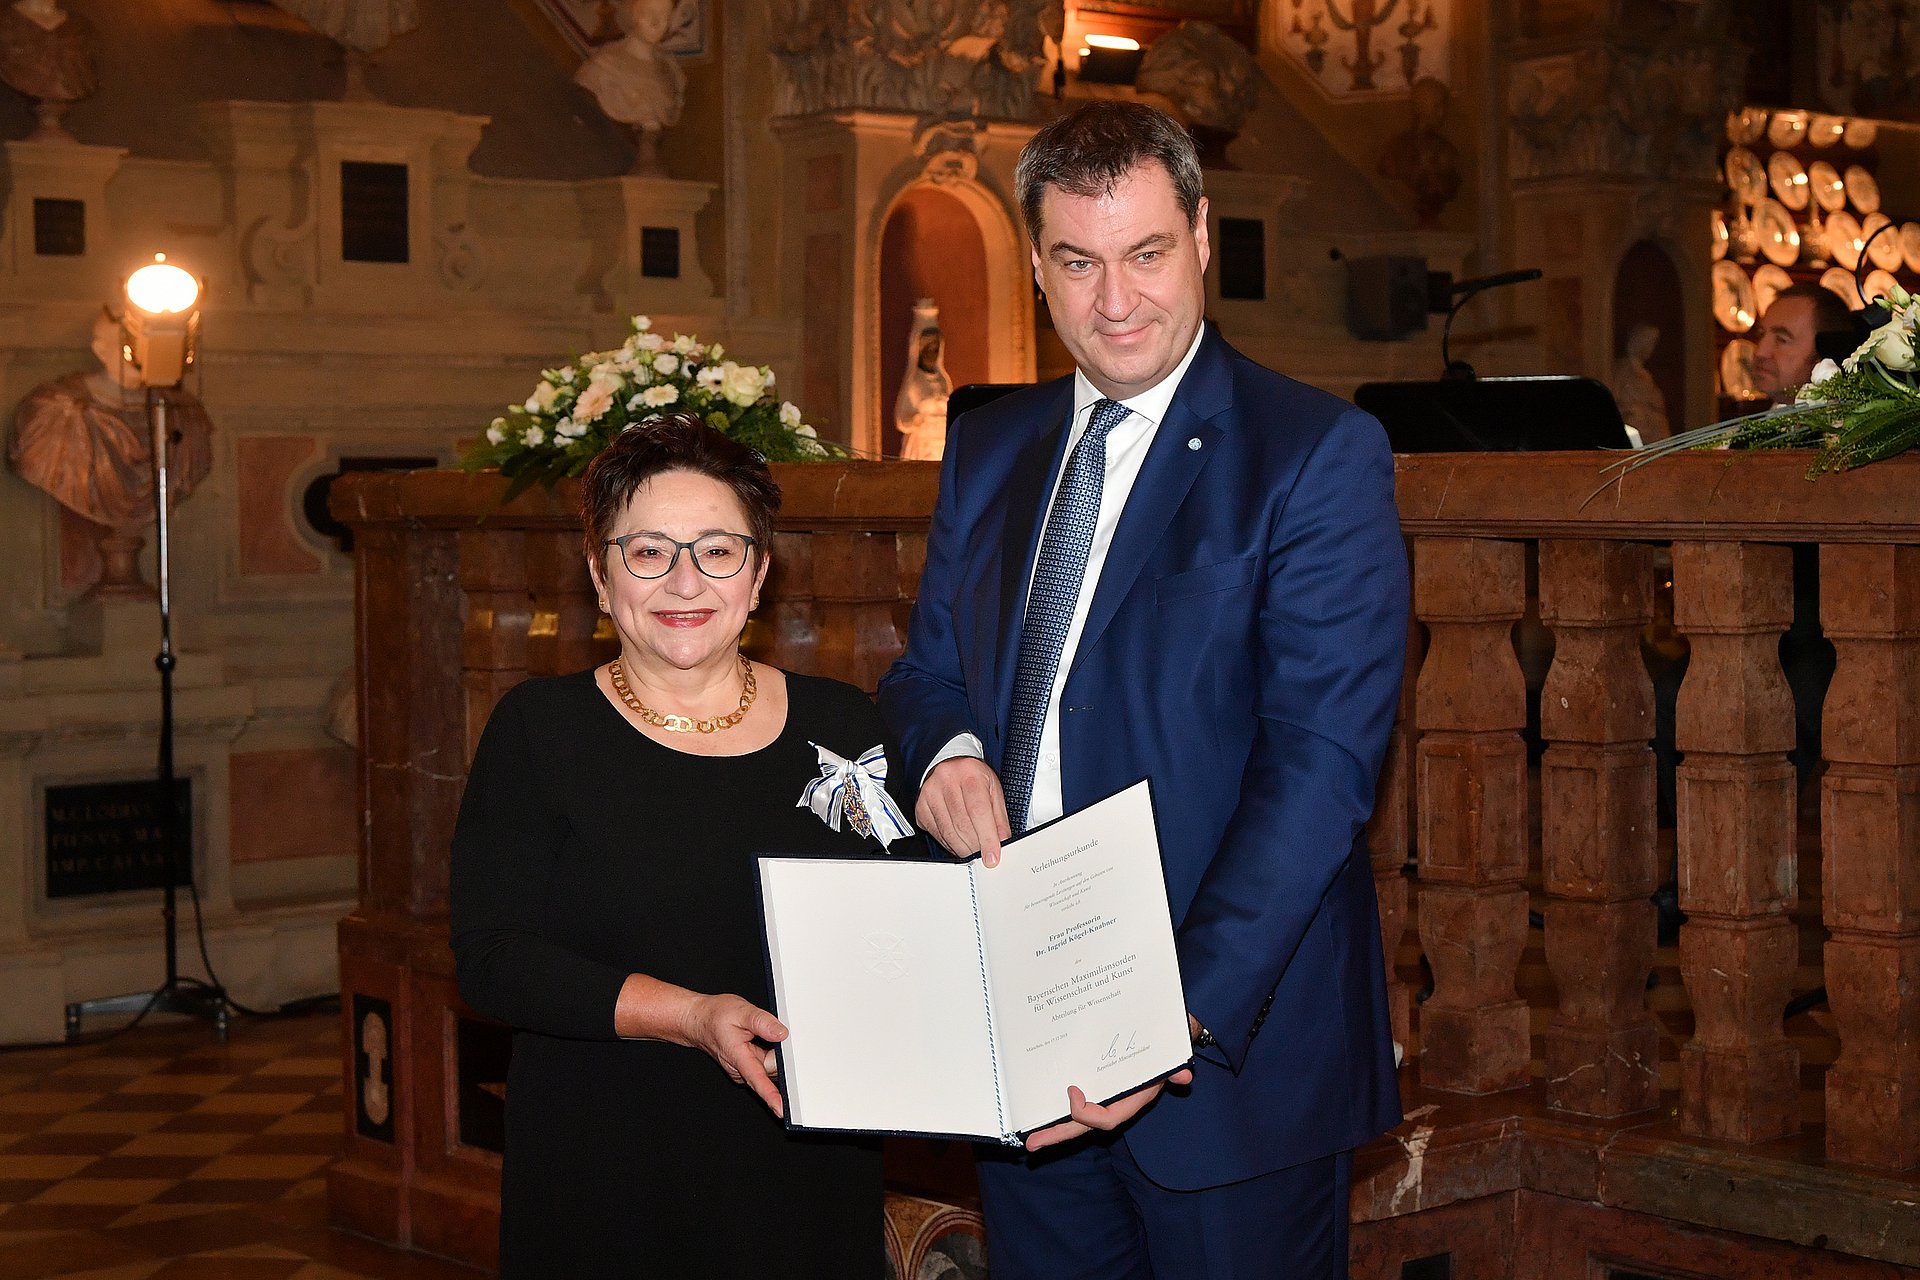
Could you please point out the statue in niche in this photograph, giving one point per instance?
(1212, 81)
(1423, 158)
(636, 82)
(85, 440)
(921, 409)
(49, 55)
(1641, 404)
(362, 27)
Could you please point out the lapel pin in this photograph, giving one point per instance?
(1194, 443)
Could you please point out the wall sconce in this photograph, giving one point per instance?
(1110, 60)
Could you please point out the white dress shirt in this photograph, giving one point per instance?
(1127, 445)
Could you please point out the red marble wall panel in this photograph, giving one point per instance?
(264, 506)
(300, 803)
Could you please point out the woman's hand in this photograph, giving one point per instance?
(726, 1028)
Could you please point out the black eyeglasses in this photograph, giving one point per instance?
(653, 555)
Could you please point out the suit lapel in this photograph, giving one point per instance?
(1171, 466)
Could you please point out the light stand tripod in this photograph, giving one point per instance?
(154, 342)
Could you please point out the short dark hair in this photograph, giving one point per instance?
(1830, 312)
(675, 442)
(1088, 151)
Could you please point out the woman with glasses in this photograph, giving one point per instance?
(604, 902)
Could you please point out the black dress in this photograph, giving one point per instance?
(586, 851)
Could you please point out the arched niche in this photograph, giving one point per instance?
(931, 247)
(943, 236)
(1647, 289)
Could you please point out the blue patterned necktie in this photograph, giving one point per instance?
(1057, 578)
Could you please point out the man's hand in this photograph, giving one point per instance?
(961, 805)
(1087, 1117)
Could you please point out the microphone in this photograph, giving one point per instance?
(1488, 282)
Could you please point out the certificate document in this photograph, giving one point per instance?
(941, 997)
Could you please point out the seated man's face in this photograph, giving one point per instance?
(1785, 356)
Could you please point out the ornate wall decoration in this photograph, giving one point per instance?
(941, 58)
(1864, 57)
(1619, 109)
(1365, 48)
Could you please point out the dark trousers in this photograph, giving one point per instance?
(1091, 1212)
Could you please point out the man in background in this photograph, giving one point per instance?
(1787, 338)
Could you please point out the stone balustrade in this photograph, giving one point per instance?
(460, 598)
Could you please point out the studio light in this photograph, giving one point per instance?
(161, 321)
(160, 330)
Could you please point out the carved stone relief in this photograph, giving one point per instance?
(1619, 109)
(1364, 48)
(943, 58)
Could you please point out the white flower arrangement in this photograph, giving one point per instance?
(576, 410)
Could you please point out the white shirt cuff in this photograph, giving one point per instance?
(960, 744)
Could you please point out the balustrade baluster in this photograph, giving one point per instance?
(1870, 835)
(1597, 826)
(856, 581)
(565, 609)
(1472, 773)
(784, 631)
(1740, 1076)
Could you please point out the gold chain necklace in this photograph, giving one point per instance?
(686, 724)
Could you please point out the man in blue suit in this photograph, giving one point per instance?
(1180, 565)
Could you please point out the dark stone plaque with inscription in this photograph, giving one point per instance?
(104, 837)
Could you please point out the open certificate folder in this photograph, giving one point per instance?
(940, 997)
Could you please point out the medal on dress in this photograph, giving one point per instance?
(855, 791)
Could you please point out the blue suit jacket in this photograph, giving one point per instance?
(1243, 649)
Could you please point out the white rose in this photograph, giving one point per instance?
(684, 342)
(766, 377)
(711, 376)
(659, 397)
(1821, 372)
(497, 433)
(740, 383)
(806, 431)
(542, 398)
(790, 414)
(565, 374)
(569, 430)
(641, 324)
(594, 401)
(535, 436)
(665, 363)
(1896, 349)
(649, 342)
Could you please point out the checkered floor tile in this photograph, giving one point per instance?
(164, 1154)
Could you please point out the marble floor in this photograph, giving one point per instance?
(162, 1153)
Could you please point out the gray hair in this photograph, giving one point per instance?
(1089, 151)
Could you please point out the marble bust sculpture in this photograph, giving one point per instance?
(49, 55)
(636, 82)
(85, 440)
